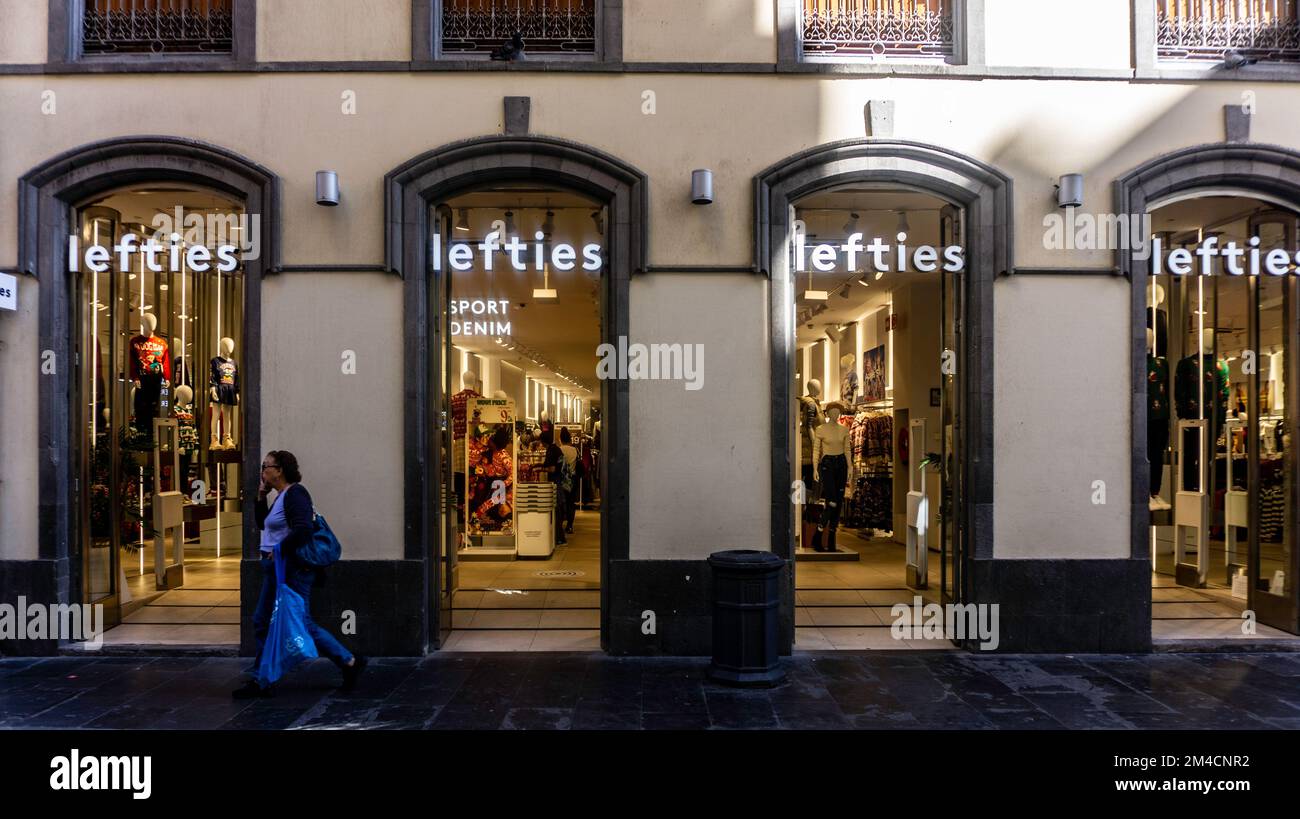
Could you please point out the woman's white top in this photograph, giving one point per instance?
(276, 528)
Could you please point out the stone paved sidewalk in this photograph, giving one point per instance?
(593, 691)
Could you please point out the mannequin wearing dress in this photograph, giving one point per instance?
(223, 389)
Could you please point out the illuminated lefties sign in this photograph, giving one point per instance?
(1182, 261)
(8, 292)
(479, 317)
(886, 258)
(521, 255)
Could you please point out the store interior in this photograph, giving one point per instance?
(874, 408)
(521, 529)
(159, 408)
(1226, 333)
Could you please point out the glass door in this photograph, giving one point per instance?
(1272, 464)
(97, 350)
(446, 492)
(951, 529)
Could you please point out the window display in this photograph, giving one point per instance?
(142, 330)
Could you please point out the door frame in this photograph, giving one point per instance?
(985, 195)
(410, 191)
(1265, 172)
(48, 196)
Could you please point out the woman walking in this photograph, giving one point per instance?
(288, 523)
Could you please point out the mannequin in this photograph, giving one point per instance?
(1210, 398)
(1157, 418)
(187, 434)
(1158, 320)
(223, 389)
(848, 380)
(810, 415)
(459, 403)
(500, 394)
(833, 470)
(150, 368)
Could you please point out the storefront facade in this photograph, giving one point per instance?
(343, 313)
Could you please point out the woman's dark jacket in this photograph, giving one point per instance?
(301, 518)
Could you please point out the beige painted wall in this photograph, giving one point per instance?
(19, 371)
(741, 31)
(1058, 33)
(334, 30)
(345, 429)
(699, 463)
(292, 124)
(23, 31)
(1061, 417)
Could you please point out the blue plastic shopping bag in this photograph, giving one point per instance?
(287, 640)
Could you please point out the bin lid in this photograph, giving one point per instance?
(746, 559)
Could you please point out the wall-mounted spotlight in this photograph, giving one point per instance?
(851, 226)
(702, 187)
(327, 188)
(903, 227)
(510, 223)
(462, 219)
(548, 224)
(1069, 192)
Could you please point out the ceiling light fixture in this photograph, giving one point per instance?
(548, 224)
(851, 226)
(462, 219)
(510, 223)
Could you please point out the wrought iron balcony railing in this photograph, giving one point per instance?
(1265, 30)
(546, 26)
(157, 27)
(878, 28)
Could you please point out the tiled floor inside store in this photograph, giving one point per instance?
(533, 604)
(846, 604)
(1211, 613)
(204, 612)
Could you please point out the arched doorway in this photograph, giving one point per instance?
(64, 198)
(972, 204)
(419, 234)
(1214, 475)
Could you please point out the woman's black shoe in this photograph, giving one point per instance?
(352, 672)
(251, 691)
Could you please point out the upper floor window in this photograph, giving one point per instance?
(489, 27)
(1210, 29)
(878, 29)
(157, 27)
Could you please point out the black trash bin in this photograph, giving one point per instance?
(746, 617)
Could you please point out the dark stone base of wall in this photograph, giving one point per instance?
(38, 582)
(1066, 606)
(678, 592)
(386, 597)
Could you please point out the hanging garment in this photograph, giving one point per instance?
(1213, 393)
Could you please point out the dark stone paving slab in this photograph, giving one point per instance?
(518, 691)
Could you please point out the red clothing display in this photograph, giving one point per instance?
(458, 405)
(149, 358)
